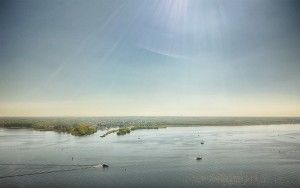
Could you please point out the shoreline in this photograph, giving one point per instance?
(116, 129)
(123, 125)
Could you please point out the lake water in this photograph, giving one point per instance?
(233, 156)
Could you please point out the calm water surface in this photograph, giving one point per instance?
(233, 156)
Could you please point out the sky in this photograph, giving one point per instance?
(150, 58)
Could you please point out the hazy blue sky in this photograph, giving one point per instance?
(150, 57)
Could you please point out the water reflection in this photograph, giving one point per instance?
(232, 156)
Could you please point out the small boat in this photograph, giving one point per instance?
(101, 165)
(198, 158)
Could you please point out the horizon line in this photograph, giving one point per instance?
(183, 116)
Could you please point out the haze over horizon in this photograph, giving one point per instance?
(150, 58)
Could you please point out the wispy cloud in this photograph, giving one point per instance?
(163, 52)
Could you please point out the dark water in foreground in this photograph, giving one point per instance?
(233, 156)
